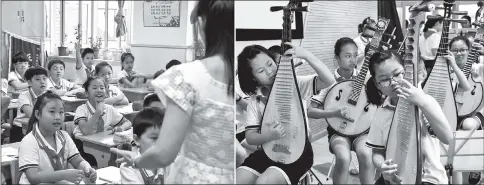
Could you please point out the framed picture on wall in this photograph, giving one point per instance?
(161, 13)
(259, 23)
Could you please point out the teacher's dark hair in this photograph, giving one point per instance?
(219, 32)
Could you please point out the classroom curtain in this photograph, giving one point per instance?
(32, 50)
(120, 20)
(388, 9)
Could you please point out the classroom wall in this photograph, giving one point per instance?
(154, 47)
(326, 22)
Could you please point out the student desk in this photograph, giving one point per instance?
(136, 94)
(98, 145)
(71, 103)
(127, 111)
(10, 158)
(108, 175)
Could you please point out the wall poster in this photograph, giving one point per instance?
(161, 13)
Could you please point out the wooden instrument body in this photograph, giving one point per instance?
(351, 94)
(289, 111)
(363, 112)
(473, 100)
(439, 86)
(403, 137)
(284, 104)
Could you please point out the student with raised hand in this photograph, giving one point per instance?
(84, 64)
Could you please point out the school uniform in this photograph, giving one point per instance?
(113, 91)
(137, 81)
(319, 99)
(130, 175)
(36, 152)
(15, 76)
(258, 162)
(110, 117)
(83, 73)
(64, 85)
(426, 45)
(26, 98)
(433, 171)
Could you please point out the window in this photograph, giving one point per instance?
(93, 22)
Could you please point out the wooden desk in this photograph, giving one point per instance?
(136, 94)
(10, 159)
(471, 157)
(71, 103)
(127, 111)
(98, 145)
(108, 175)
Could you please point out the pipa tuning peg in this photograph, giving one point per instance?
(390, 36)
(434, 17)
(305, 1)
(276, 8)
(458, 12)
(462, 21)
(301, 9)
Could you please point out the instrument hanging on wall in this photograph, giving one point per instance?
(473, 100)
(403, 144)
(284, 104)
(439, 84)
(350, 93)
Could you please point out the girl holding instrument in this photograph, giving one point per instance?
(384, 88)
(257, 71)
(345, 53)
(460, 48)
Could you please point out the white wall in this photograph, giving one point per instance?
(154, 47)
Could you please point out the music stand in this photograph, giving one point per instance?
(460, 157)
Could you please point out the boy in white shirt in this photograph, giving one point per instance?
(146, 128)
(56, 83)
(84, 64)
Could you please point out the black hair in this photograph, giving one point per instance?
(124, 56)
(246, 80)
(276, 49)
(480, 4)
(42, 100)
(172, 63)
(149, 99)
(158, 73)
(219, 33)
(55, 61)
(372, 92)
(460, 38)
(361, 26)
(100, 66)
(33, 71)
(87, 51)
(467, 18)
(146, 118)
(342, 42)
(431, 23)
(89, 80)
(20, 57)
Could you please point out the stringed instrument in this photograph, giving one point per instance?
(284, 104)
(473, 100)
(439, 84)
(404, 135)
(348, 93)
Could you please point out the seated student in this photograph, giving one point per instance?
(16, 79)
(172, 63)
(129, 78)
(37, 79)
(146, 128)
(96, 116)
(46, 150)
(114, 95)
(56, 83)
(84, 64)
(152, 100)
